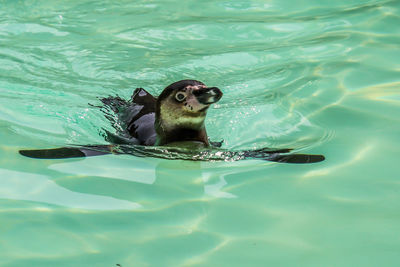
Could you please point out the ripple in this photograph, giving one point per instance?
(317, 77)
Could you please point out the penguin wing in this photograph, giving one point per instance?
(171, 153)
(281, 155)
(67, 152)
(296, 158)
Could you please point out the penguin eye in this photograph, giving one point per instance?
(180, 96)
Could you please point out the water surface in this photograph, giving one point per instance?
(318, 76)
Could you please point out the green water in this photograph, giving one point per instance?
(322, 77)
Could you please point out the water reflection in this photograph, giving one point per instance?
(39, 188)
(174, 180)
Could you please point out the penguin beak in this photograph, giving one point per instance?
(208, 96)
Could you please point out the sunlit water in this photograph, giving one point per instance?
(321, 77)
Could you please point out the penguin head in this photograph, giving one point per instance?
(184, 105)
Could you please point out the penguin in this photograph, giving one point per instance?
(175, 117)
(169, 126)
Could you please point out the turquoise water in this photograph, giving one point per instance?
(322, 77)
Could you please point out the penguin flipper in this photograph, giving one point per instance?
(140, 151)
(67, 152)
(295, 158)
(282, 155)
